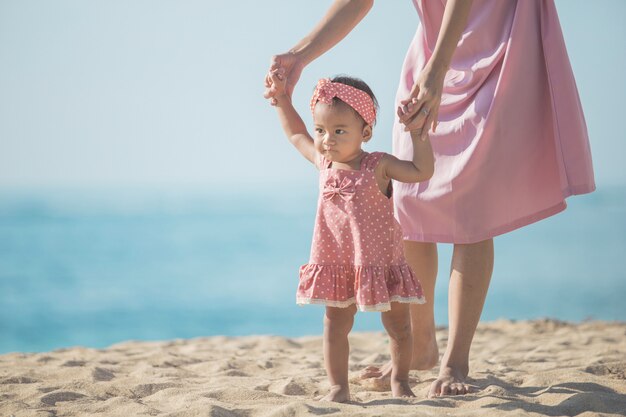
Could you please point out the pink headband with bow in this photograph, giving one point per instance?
(359, 100)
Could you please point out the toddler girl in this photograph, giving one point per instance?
(357, 259)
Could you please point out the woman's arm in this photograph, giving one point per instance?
(454, 20)
(340, 19)
(421, 168)
(426, 93)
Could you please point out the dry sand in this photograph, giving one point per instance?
(518, 368)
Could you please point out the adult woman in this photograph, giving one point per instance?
(491, 83)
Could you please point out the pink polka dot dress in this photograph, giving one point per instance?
(356, 254)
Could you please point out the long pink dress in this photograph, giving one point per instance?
(512, 141)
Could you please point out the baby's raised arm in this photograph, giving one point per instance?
(421, 168)
(291, 121)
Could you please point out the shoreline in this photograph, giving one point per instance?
(535, 367)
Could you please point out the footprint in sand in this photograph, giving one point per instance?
(74, 363)
(613, 369)
(145, 390)
(287, 387)
(55, 397)
(101, 374)
(18, 380)
(235, 372)
(217, 411)
(45, 390)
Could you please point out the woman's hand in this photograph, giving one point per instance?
(340, 19)
(419, 111)
(288, 67)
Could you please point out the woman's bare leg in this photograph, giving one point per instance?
(422, 258)
(337, 325)
(472, 265)
(397, 322)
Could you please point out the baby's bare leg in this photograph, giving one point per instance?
(337, 325)
(397, 322)
(422, 258)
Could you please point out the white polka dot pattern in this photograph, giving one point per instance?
(356, 254)
(359, 100)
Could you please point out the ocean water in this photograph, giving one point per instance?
(96, 267)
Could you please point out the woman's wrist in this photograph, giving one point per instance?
(301, 56)
(281, 98)
(437, 67)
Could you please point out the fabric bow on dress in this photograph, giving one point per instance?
(345, 189)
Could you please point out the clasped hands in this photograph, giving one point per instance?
(418, 113)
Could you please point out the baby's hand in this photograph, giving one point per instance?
(404, 112)
(279, 83)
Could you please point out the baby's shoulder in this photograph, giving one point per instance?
(371, 161)
(378, 154)
(320, 161)
(376, 158)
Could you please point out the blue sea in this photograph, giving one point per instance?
(96, 267)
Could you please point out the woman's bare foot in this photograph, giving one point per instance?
(338, 394)
(401, 388)
(425, 356)
(373, 371)
(451, 381)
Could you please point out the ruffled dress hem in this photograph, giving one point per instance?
(381, 307)
(371, 288)
(509, 227)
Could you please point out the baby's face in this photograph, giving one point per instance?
(339, 131)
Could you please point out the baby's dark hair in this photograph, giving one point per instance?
(356, 83)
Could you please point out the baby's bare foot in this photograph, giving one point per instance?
(338, 394)
(401, 388)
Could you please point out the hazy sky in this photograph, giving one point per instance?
(169, 93)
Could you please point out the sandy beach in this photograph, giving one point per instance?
(521, 368)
